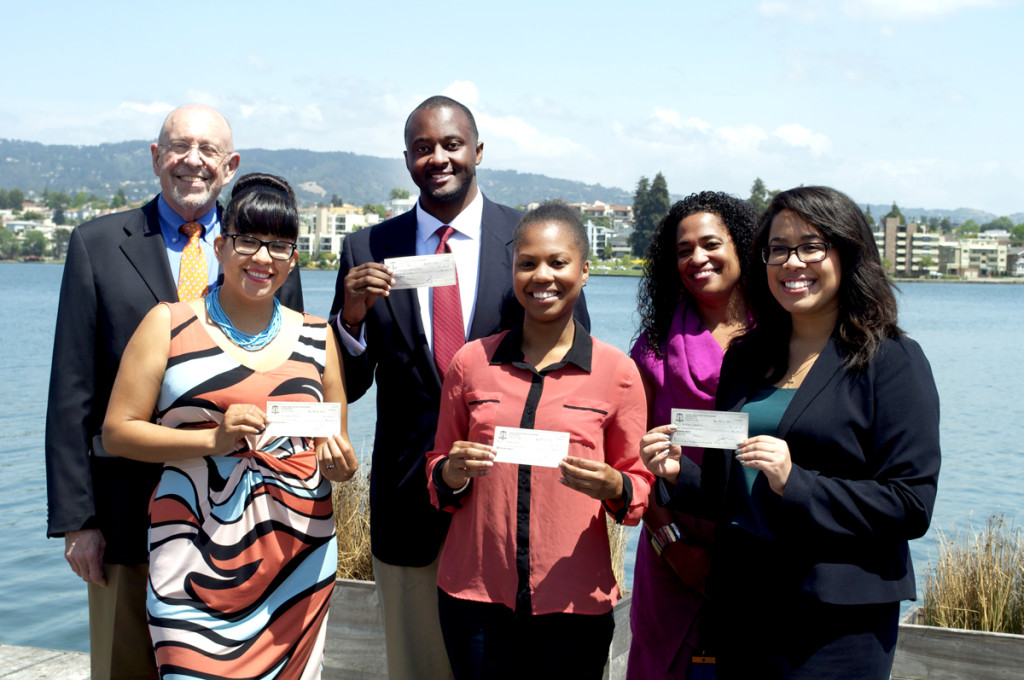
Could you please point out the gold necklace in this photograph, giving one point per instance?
(808, 362)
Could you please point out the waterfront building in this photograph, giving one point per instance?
(973, 258)
(322, 229)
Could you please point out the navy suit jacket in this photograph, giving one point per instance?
(116, 271)
(865, 452)
(405, 529)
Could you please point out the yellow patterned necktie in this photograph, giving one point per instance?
(192, 276)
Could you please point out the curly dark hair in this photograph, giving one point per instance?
(661, 290)
(867, 303)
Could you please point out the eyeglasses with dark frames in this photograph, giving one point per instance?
(250, 245)
(808, 253)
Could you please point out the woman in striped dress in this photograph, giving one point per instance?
(242, 547)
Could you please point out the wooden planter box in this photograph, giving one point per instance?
(355, 635)
(932, 653)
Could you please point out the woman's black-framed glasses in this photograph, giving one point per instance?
(250, 245)
(808, 253)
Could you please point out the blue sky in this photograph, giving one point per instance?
(917, 101)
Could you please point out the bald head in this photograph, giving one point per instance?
(194, 157)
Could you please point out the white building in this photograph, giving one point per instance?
(323, 229)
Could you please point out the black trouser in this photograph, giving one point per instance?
(486, 641)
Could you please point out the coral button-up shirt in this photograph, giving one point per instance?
(518, 537)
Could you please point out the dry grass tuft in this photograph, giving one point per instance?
(617, 541)
(978, 583)
(352, 524)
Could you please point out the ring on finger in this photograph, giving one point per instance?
(330, 467)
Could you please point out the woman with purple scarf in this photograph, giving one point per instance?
(691, 306)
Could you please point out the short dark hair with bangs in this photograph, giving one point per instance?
(262, 204)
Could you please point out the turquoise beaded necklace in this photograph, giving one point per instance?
(250, 343)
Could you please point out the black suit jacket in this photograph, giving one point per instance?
(405, 529)
(116, 271)
(865, 452)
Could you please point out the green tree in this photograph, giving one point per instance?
(998, 223)
(61, 237)
(326, 259)
(1017, 235)
(15, 197)
(397, 193)
(867, 215)
(81, 198)
(32, 216)
(34, 243)
(968, 229)
(650, 203)
(336, 201)
(4, 195)
(119, 200)
(640, 220)
(9, 246)
(606, 252)
(895, 212)
(370, 208)
(758, 196)
(303, 260)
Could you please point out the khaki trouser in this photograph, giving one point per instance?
(412, 630)
(119, 644)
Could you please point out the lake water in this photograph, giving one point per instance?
(970, 332)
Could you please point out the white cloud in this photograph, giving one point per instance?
(798, 135)
(463, 92)
(740, 139)
(152, 108)
(675, 120)
(311, 113)
(805, 10)
(912, 10)
(526, 138)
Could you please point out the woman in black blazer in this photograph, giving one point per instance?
(840, 469)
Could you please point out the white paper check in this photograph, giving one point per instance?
(303, 418)
(422, 271)
(530, 447)
(708, 429)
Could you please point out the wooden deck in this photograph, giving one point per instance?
(31, 663)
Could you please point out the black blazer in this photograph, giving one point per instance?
(116, 271)
(865, 451)
(405, 529)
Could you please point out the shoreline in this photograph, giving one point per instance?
(1012, 280)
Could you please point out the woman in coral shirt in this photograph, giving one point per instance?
(525, 578)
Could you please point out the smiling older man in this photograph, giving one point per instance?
(118, 267)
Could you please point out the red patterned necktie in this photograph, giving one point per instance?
(446, 316)
(192, 276)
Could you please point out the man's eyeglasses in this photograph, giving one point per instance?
(808, 253)
(250, 245)
(208, 152)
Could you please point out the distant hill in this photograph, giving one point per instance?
(315, 175)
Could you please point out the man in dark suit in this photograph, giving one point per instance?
(390, 334)
(118, 267)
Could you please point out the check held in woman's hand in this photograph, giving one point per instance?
(659, 456)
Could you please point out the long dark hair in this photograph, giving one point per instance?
(262, 204)
(661, 290)
(867, 304)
